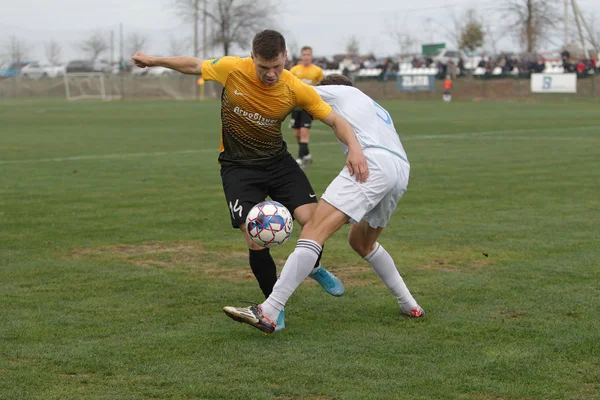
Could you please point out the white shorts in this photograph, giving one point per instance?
(376, 199)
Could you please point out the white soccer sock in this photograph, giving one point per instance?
(297, 267)
(384, 266)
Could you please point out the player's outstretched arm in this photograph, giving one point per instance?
(185, 65)
(356, 162)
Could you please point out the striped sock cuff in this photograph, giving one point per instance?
(309, 245)
(371, 254)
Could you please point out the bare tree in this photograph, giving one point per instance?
(135, 42)
(235, 22)
(532, 21)
(190, 11)
(593, 34)
(95, 45)
(53, 50)
(472, 32)
(17, 50)
(466, 31)
(353, 46)
(177, 47)
(405, 42)
(491, 38)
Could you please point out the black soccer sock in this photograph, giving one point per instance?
(264, 270)
(307, 151)
(319, 258)
(303, 150)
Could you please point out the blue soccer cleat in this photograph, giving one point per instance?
(328, 281)
(280, 321)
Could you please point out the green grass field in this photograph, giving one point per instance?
(116, 257)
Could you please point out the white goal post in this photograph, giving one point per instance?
(86, 85)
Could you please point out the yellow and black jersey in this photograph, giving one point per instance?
(310, 75)
(252, 112)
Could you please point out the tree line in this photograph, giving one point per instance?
(226, 24)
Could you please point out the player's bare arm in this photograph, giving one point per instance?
(185, 65)
(356, 162)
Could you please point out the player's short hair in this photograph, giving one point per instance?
(268, 44)
(306, 48)
(336, 79)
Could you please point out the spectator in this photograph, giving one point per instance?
(539, 66)
(489, 67)
(502, 63)
(347, 65)
(511, 63)
(451, 69)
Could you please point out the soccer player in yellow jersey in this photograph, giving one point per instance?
(257, 96)
(310, 74)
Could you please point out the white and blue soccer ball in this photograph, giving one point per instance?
(269, 224)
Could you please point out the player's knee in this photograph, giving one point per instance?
(308, 228)
(250, 243)
(254, 246)
(358, 245)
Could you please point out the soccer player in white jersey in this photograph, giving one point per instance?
(368, 206)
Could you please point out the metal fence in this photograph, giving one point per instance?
(475, 89)
(177, 87)
(183, 87)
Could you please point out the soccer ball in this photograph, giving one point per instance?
(269, 224)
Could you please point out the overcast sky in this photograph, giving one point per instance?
(326, 25)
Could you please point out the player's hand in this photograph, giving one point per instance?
(357, 165)
(141, 60)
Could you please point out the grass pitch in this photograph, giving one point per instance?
(116, 256)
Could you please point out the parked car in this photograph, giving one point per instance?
(153, 71)
(159, 71)
(139, 71)
(102, 66)
(80, 66)
(36, 70)
(12, 69)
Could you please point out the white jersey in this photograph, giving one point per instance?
(372, 124)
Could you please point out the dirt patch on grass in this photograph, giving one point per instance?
(305, 398)
(509, 315)
(76, 375)
(230, 264)
(356, 275)
(458, 260)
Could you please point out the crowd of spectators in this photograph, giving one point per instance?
(503, 64)
(579, 65)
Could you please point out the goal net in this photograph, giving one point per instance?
(87, 85)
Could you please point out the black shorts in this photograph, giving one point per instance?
(247, 185)
(301, 119)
